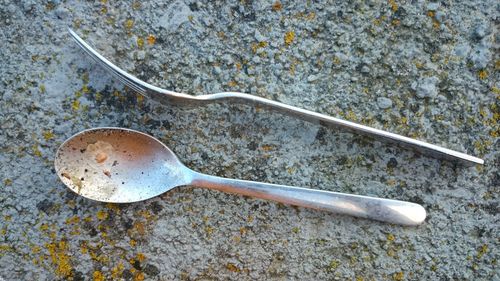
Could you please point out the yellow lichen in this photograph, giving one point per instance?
(351, 116)
(259, 45)
(7, 182)
(129, 24)
(289, 37)
(390, 237)
(42, 88)
(209, 230)
(333, 265)
(398, 276)
(75, 105)
(140, 42)
(48, 135)
(59, 258)
(98, 276)
(36, 150)
(117, 271)
(102, 215)
(482, 251)
(232, 83)
(73, 220)
(132, 243)
(151, 39)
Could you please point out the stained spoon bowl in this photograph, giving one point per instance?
(118, 165)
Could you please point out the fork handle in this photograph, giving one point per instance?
(311, 116)
(385, 210)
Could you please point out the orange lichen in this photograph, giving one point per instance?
(277, 6)
(139, 228)
(243, 230)
(267, 147)
(394, 5)
(483, 74)
(151, 39)
(232, 267)
(139, 276)
(132, 242)
(289, 37)
(140, 257)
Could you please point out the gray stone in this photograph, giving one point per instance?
(384, 103)
(481, 30)
(201, 47)
(426, 87)
(480, 56)
(433, 6)
(174, 16)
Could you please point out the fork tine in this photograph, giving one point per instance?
(108, 66)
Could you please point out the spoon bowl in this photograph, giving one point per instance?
(118, 165)
(122, 166)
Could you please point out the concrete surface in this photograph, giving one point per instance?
(428, 70)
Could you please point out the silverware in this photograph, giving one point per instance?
(166, 96)
(123, 166)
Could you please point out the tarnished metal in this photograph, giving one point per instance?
(122, 166)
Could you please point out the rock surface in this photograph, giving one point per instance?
(336, 58)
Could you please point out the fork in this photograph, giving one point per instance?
(170, 97)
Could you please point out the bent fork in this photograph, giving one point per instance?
(163, 96)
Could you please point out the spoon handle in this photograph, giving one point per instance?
(386, 210)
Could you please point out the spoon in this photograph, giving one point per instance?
(123, 166)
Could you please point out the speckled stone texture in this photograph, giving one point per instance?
(429, 70)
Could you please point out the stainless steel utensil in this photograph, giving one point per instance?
(122, 166)
(166, 96)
